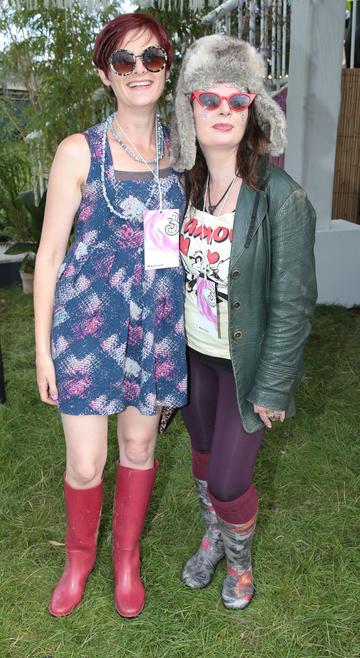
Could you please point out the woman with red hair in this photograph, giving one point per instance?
(109, 313)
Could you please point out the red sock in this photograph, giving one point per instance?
(199, 464)
(237, 511)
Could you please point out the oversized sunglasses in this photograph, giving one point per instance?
(123, 62)
(238, 102)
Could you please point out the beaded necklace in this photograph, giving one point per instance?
(107, 125)
(127, 149)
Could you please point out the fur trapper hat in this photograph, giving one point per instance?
(215, 59)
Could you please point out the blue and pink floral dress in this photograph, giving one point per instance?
(118, 330)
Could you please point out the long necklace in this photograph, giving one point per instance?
(137, 156)
(113, 210)
(155, 173)
(212, 207)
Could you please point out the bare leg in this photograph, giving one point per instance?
(137, 438)
(86, 449)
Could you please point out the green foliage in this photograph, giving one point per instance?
(49, 49)
(31, 227)
(14, 177)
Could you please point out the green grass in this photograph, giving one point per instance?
(306, 555)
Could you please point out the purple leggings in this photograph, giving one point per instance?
(213, 421)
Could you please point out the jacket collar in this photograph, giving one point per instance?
(243, 213)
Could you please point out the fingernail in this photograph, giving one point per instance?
(54, 397)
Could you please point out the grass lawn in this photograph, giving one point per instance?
(306, 550)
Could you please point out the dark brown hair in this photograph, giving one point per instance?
(115, 31)
(251, 151)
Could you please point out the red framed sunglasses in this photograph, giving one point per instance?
(209, 100)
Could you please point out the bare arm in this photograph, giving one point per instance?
(68, 173)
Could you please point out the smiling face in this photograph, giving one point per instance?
(141, 88)
(220, 128)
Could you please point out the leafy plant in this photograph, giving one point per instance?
(35, 217)
(48, 49)
(14, 178)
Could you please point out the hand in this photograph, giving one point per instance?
(45, 375)
(268, 415)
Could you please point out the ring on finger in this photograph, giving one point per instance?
(271, 416)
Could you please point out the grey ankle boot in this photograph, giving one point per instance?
(199, 570)
(238, 587)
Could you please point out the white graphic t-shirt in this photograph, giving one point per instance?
(205, 243)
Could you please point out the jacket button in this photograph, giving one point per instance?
(235, 274)
(237, 334)
(236, 304)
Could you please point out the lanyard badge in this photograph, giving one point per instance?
(161, 226)
(161, 238)
(206, 302)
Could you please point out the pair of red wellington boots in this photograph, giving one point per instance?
(83, 508)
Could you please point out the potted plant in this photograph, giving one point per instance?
(30, 246)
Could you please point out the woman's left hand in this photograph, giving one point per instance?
(269, 415)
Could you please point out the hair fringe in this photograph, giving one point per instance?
(114, 32)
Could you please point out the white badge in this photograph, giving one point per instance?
(206, 302)
(161, 238)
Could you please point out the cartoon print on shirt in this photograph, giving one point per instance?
(209, 247)
(197, 259)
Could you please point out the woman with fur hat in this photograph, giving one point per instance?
(247, 246)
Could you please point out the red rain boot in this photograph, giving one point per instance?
(83, 509)
(132, 496)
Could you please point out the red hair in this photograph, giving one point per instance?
(114, 32)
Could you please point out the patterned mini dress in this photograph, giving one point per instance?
(118, 329)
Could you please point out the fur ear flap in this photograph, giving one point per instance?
(174, 143)
(183, 146)
(272, 120)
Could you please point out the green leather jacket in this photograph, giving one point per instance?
(272, 293)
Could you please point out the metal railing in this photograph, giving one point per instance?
(265, 24)
(352, 35)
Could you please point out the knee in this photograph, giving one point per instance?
(138, 452)
(85, 474)
(225, 491)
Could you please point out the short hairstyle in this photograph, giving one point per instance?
(115, 31)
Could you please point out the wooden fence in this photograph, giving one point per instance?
(346, 193)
